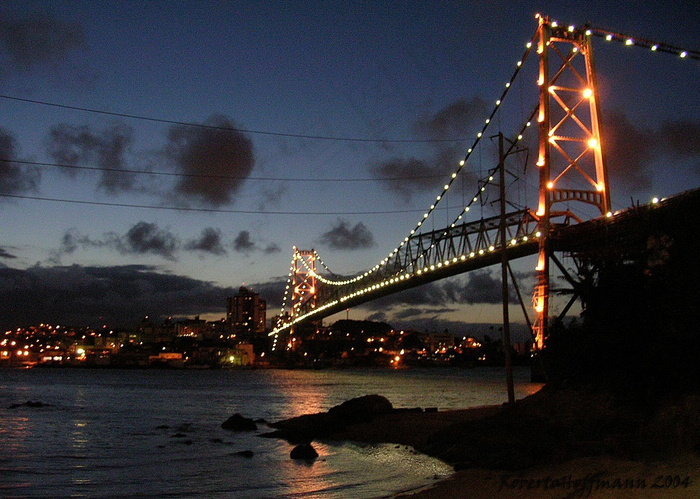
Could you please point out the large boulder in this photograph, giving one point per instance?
(303, 451)
(361, 409)
(239, 423)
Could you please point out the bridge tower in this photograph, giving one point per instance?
(570, 161)
(303, 281)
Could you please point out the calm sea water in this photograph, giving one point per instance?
(157, 433)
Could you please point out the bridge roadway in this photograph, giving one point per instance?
(471, 246)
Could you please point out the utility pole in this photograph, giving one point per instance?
(504, 272)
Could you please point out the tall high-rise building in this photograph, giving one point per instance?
(246, 313)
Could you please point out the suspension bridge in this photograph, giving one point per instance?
(573, 212)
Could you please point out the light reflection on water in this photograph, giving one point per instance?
(113, 432)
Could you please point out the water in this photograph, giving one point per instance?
(157, 433)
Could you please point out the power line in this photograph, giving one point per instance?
(206, 210)
(223, 177)
(230, 129)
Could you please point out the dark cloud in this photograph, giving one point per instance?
(272, 248)
(408, 175)
(6, 254)
(120, 295)
(81, 146)
(141, 239)
(344, 237)
(477, 287)
(145, 238)
(29, 42)
(680, 138)
(452, 122)
(215, 161)
(628, 151)
(243, 243)
(209, 242)
(14, 178)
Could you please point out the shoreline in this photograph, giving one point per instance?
(554, 443)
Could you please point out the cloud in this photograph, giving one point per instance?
(476, 287)
(272, 248)
(14, 179)
(453, 121)
(119, 295)
(628, 151)
(209, 242)
(407, 175)
(215, 161)
(81, 146)
(33, 41)
(344, 237)
(243, 243)
(680, 138)
(6, 254)
(142, 239)
(145, 238)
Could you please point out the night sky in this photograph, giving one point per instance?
(199, 141)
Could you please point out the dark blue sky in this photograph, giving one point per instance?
(296, 77)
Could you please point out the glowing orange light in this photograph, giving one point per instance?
(592, 143)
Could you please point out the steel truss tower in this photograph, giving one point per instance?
(570, 161)
(303, 281)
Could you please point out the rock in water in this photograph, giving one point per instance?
(239, 423)
(361, 409)
(303, 451)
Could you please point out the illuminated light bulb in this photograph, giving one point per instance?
(537, 234)
(463, 257)
(599, 187)
(654, 48)
(438, 198)
(413, 231)
(684, 54)
(608, 38)
(608, 214)
(469, 150)
(554, 24)
(520, 63)
(479, 135)
(446, 186)
(589, 32)
(552, 140)
(571, 29)
(432, 206)
(527, 124)
(655, 200)
(471, 255)
(491, 248)
(475, 199)
(550, 89)
(461, 163)
(419, 224)
(528, 44)
(454, 175)
(481, 252)
(425, 215)
(574, 50)
(592, 143)
(513, 241)
(466, 209)
(498, 102)
(629, 41)
(587, 93)
(550, 185)
(524, 238)
(508, 85)
(520, 137)
(483, 189)
(490, 179)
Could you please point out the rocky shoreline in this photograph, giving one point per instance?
(553, 429)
